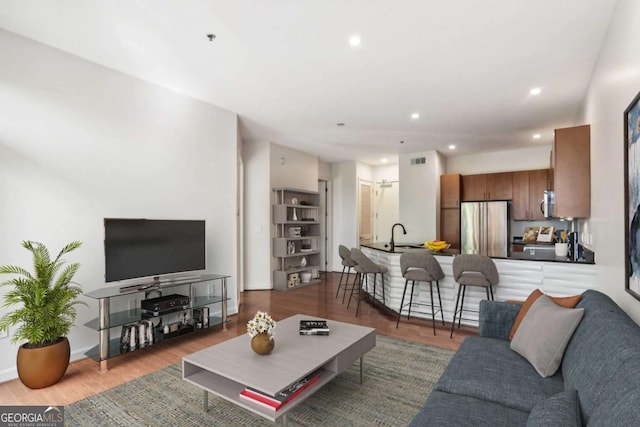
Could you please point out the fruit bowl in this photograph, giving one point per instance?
(437, 245)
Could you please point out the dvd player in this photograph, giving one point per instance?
(165, 303)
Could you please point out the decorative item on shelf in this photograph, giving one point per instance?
(291, 248)
(303, 262)
(294, 201)
(295, 232)
(260, 329)
(530, 234)
(306, 276)
(545, 234)
(295, 215)
(294, 280)
(315, 273)
(305, 247)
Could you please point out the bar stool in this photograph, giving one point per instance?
(473, 270)
(420, 267)
(345, 255)
(365, 267)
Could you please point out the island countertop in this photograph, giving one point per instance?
(546, 256)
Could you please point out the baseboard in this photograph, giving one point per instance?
(12, 373)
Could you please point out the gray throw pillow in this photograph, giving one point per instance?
(562, 409)
(544, 334)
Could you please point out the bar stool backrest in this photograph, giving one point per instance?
(345, 254)
(423, 260)
(363, 261)
(481, 264)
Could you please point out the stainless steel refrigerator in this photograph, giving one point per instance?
(484, 228)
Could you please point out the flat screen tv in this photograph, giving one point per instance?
(135, 248)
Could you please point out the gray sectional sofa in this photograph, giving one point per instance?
(488, 384)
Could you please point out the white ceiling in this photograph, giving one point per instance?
(287, 69)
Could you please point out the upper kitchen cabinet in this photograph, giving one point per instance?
(528, 190)
(474, 188)
(500, 186)
(490, 186)
(450, 191)
(571, 162)
(450, 209)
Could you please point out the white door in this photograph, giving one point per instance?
(387, 209)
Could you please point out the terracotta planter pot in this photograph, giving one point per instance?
(43, 366)
(262, 344)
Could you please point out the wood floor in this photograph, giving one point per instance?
(83, 378)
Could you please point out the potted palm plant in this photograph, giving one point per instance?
(44, 302)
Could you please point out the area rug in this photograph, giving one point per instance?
(398, 377)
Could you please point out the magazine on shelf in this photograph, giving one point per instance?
(314, 327)
(275, 402)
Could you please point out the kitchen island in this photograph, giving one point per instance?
(519, 276)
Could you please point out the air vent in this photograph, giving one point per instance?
(418, 161)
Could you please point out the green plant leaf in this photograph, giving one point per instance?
(45, 306)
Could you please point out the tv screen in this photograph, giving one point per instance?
(136, 248)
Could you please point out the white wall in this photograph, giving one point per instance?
(386, 201)
(268, 166)
(345, 209)
(293, 168)
(522, 159)
(419, 196)
(614, 84)
(257, 215)
(80, 142)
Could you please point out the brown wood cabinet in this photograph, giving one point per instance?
(571, 162)
(474, 187)
(499, 186)
(450, 187)
(487, 186)
(450, 226)
(450, 191)
(528, 190)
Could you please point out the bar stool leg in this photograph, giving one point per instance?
(340, 282)
(455, 311)
(433, 314)
(360, 296)
(491, 289)
(346, 284)
(357, 279)
(413, 284)
(440, 301)
(406, 282)
(464, 290)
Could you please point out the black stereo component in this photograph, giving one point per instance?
(165, 303)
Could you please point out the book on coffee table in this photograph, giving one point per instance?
(275, 402)
(314, 327)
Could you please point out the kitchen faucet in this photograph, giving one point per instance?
(393, 244)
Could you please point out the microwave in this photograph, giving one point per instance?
(548, 205)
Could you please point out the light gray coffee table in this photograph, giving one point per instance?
(228, 368)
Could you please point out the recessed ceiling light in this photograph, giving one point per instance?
(384, 160)
(211, 37)
(536, 91)
(415, 116)
(355, 40)
(452, 147)
(537, 136)
(340, 124)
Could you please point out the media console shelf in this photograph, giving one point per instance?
(207, 292)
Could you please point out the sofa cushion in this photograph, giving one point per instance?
(451, 410)
(544, 334)
(567, 302)
(601, 360)
(562, 409)
(487, 369)
(496, 318)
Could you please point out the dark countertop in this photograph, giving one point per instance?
(548, 256)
